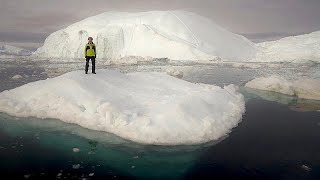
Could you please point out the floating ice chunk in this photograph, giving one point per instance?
(151, 108)
(174, 72)
(273, 83)
(76, 166)
(76, 150)
(303, 88)
(306, 168)
(307, 88)
(17, 76)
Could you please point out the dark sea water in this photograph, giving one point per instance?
(278, 137)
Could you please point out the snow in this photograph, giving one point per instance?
(177, 35)
(302, 48)
(145, 107)
(302, 88)
(7, 50)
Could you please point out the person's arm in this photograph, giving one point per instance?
(95, 51)
(85, 51)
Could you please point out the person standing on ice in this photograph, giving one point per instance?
(90, 53)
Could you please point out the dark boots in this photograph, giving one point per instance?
(93, 61)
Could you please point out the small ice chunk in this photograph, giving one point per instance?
(76, 166)
(175, 73)
(76, 150)
(18, 76)
(27, 176)
(91, 174)
(60, 174)
(306, 168)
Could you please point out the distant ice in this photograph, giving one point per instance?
(297, 49)
(151, 108)
(9, 51)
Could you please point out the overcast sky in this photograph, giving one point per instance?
(30, 21)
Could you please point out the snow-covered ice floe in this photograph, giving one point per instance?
(302, 88)
(151, 108)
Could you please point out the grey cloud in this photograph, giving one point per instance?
(32, 20)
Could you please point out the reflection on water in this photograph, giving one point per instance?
(294, 103)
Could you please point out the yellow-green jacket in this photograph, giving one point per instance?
(90, 50)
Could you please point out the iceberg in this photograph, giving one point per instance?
(145, 107)
(177, 35)
(302, 48)
(302, 88)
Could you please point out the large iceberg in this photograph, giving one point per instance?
(302, 88)
(151, 108)
(302, 48)
(177, 35)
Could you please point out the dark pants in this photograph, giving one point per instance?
(93, 60)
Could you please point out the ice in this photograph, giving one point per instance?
(177, 35)
(76, 166)
(151, 108)
(302, 48)
(17, 76)
(174, 72)
(302, 88)
(307, 88)
(7, 50)
(272, 83)
(75, 150)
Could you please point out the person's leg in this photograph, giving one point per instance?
(93, 59)
(87, 65)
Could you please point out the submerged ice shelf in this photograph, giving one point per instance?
(151, 108)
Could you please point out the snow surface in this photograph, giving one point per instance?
(177, 35)
(6, 50)
(302, 88)
(152, 108)
(296, 49)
